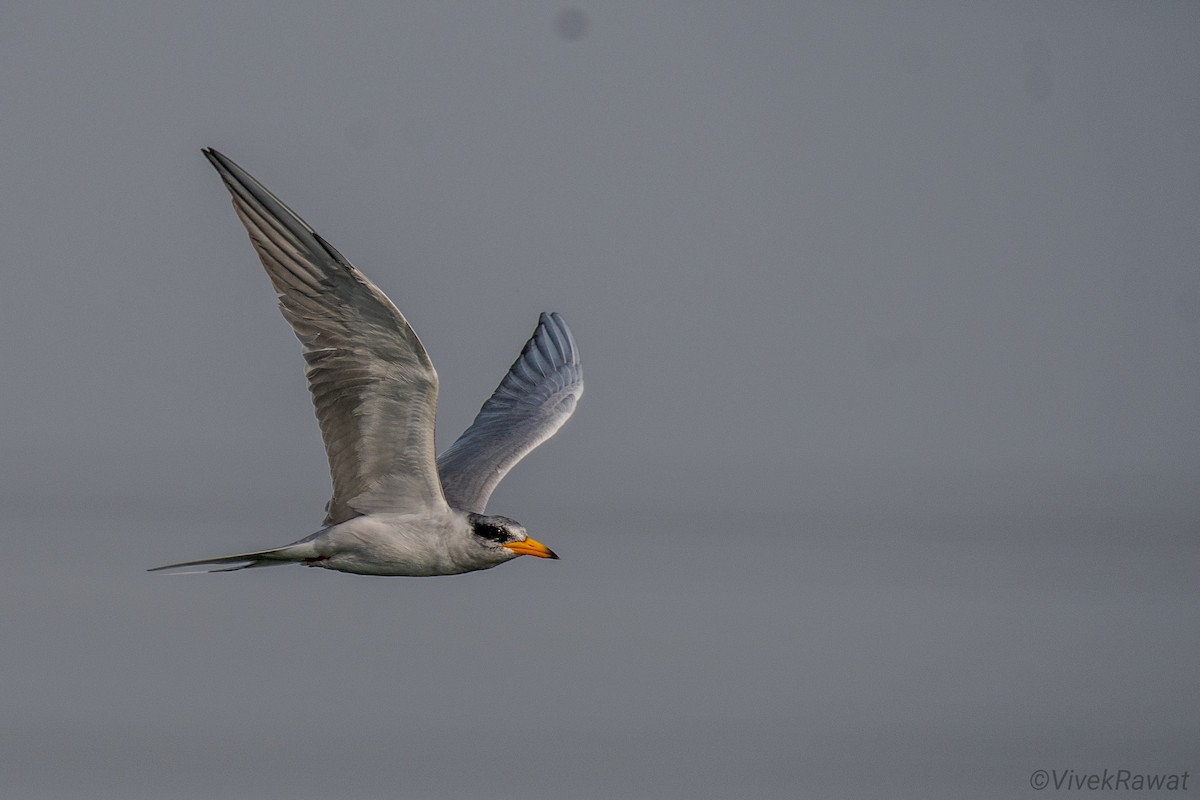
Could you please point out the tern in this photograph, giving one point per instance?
(396, 509)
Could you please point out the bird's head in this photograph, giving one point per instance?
(506, 538)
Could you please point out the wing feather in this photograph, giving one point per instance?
(533, 401)
(372, 383)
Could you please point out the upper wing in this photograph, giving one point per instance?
(532, 402)
(373, 385)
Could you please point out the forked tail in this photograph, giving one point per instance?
(288, 554)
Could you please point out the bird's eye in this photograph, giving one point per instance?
(489, 531)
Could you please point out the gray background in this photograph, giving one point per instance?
(885, 480)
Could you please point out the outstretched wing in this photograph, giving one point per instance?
(373, 385)
(533, 401)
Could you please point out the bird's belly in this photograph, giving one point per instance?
(392, 545)
(381, 561)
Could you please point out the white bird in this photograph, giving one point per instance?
(396, 510)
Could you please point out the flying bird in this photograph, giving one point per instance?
(396, 509)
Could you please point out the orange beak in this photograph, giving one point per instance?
(531, 547)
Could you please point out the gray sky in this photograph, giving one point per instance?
(884, 483)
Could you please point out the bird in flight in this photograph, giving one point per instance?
(396, 509)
